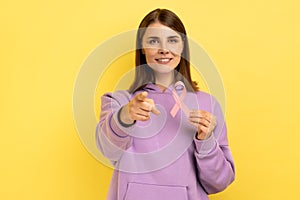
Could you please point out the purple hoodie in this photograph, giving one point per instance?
(161, 158)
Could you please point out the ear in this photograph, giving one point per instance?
(143, 51)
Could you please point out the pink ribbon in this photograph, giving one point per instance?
(179, 100)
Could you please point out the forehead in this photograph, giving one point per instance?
(159, 30)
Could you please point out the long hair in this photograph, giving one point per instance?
(143, 73)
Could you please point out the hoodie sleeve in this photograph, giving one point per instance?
(111, 138)
(213, 157)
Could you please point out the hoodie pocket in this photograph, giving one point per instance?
(142, 191)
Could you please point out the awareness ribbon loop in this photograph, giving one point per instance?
(179, 100)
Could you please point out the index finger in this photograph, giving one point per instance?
(199, 113)
(142, 96)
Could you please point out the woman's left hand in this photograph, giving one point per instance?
(205, 122)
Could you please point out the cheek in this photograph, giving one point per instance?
(150, 53)
(177, 60)
(177, 53)
(176, 50)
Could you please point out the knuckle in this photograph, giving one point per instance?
(151, 101)
(131, 109)
(131, 116)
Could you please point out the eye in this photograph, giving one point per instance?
(153, 41)
(174, 41)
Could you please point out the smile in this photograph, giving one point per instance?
(163, 60)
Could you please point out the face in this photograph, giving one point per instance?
(162, 47)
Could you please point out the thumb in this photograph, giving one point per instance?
(154, 110)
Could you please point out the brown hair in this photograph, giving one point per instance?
(143, 73)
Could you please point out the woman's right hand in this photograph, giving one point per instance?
(138, 108)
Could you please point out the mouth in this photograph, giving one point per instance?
(163, 60)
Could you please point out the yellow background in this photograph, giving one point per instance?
(255, 45)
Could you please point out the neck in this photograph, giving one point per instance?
(164, 80)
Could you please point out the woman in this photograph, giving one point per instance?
(165, 138)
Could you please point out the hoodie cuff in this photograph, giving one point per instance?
(204, 147)
(118, 128)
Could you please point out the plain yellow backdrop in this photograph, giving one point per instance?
(254, 44)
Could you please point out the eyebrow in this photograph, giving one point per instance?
(175, 36)
(170, 37)
(152, 37)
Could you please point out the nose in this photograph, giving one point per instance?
(163, 51)
(163, 48)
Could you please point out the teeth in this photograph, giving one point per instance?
(164, 59)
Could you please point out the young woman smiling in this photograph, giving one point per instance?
(165, 138)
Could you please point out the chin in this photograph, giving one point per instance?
(162, 68)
